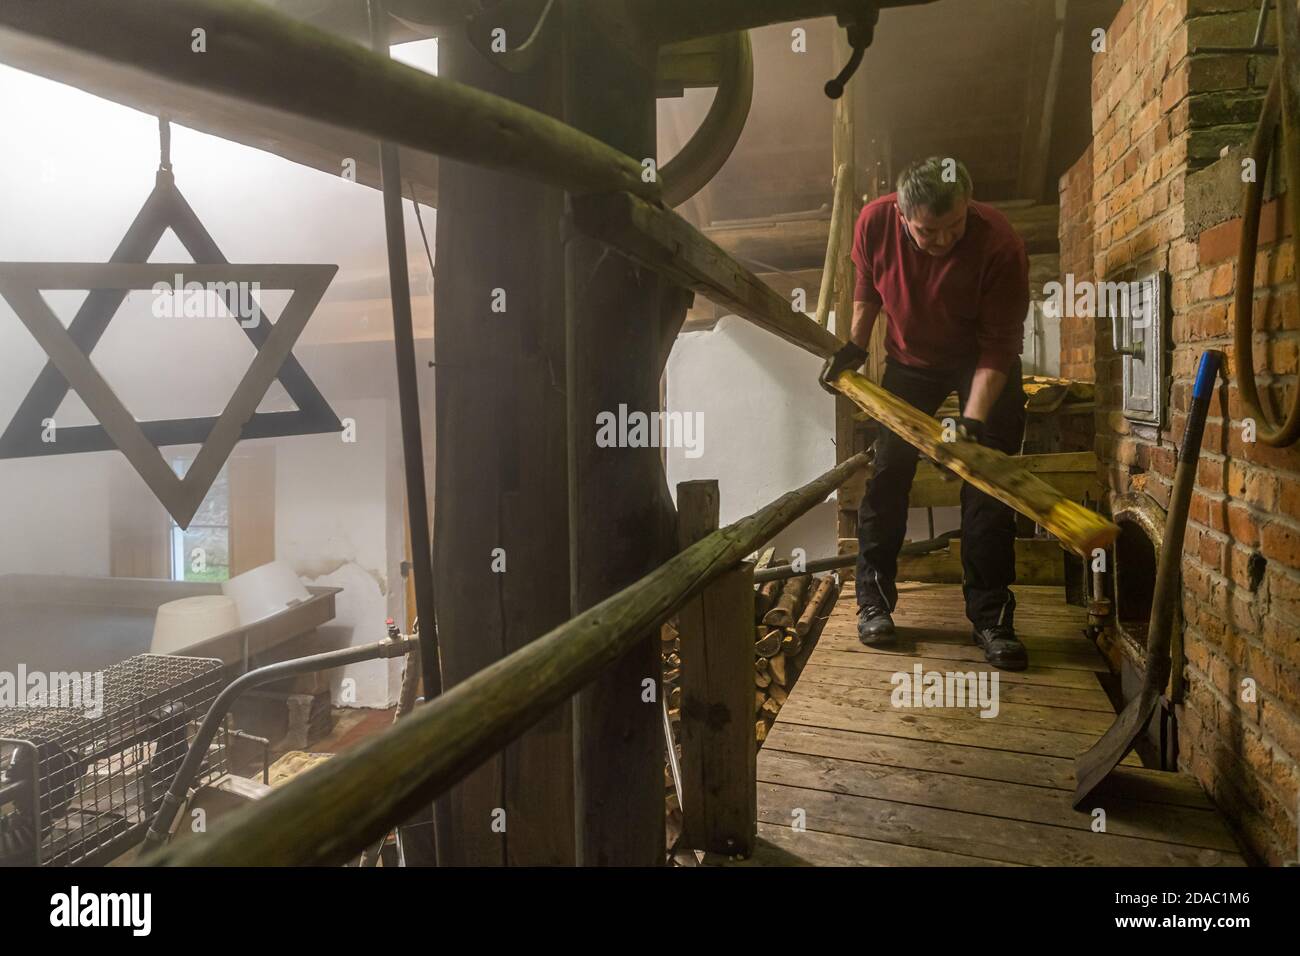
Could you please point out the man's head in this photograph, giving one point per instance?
(933, 195)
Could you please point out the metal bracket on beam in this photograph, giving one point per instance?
(861, 29)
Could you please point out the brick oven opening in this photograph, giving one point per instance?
(1135, 580)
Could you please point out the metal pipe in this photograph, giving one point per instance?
(198, 750)
(834, 563)
(408, 388)
(1261, 24)
(673, 764)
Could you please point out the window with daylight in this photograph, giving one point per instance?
(201, 552)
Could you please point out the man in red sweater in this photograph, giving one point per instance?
(952, 277)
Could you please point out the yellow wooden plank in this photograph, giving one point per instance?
(997, 474)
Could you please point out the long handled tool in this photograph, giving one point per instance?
(1092, 767)
(1079, 529)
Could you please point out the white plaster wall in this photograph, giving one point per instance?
(768, 428)
(1041, 348)
(768, 425)
(53, 518)
(331, 526)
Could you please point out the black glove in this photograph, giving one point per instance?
(848, 358)
(971, 429)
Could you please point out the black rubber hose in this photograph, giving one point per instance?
(1261, 148)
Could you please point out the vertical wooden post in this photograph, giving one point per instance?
(719, 755)
(844, 152)
(501, 526)
(621, 518)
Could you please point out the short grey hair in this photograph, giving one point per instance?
(936, 183)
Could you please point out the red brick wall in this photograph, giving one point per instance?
(1161, 110)
(1245, 517)
(1076, 259)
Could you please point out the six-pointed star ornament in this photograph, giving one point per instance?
(69, 366)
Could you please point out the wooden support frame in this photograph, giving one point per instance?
(342, 806)
(719, 796)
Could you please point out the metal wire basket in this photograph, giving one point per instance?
(84, 765)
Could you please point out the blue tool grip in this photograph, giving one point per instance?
(1206, 374)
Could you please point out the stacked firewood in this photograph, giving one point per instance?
(788, 615)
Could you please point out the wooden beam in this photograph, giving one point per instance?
(337, 809)
(989, 470)
(674, 20)
(719, 796)
(1072, 474)
(663, 241)
(257, 55)
(1038, 561)
(781, 244)
(691, 64)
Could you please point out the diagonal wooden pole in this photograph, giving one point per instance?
(1002, 476)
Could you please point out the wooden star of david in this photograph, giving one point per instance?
(70, 367)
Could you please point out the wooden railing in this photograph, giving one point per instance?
(329, 814)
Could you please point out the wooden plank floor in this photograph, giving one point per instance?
(876, 785)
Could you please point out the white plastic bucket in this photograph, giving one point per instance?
(189, 621)
(264, 591)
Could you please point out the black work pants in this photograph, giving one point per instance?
(988, 527)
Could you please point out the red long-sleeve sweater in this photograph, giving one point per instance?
(945, 312)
